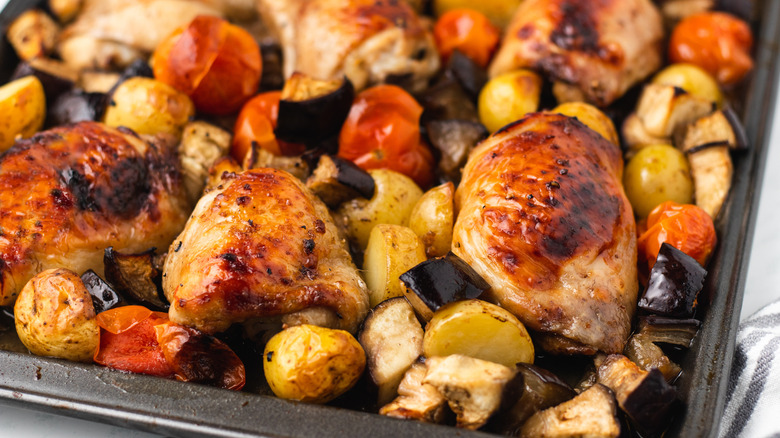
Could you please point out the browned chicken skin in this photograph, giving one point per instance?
(594, 49)
(68, 193)
(543, 218)
(366, 40)
(261, 245)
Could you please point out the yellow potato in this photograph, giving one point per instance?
(480, 330)
(394, 198)
(592, 117)
(312, 364)
(656, 174)
(508, 97)
(149, 107)
(432, 219)
(54, 316)
(391, 251)
(499, 12)
(692, 79)
(22, 110)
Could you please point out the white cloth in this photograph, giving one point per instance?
(753, 397)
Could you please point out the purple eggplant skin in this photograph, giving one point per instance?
(540, 389)
(740, 135)
(273, 76)
(136, 277)
(444, 280)
(454, 139)
(77, 106)
(673, 331)
(649, 405)
(336, 180)
(675, 281)
(54, 85)
(471, 76)
(313, 120)
(446, 100)
(104, 296)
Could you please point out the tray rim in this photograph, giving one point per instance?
(180, 409)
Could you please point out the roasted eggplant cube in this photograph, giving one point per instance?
(468, 73)
(673, 331)
(104, 296)
(541, 389)
(443, 280)
(136, 276)
(591, 414)
(643, 352)
(77, 106)
(311, 111)
(447, 100)
(454, 139)
(56, 77)
(336, 180)
(675, 281)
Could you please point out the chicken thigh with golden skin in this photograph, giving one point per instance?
(544, 219)
(369, 41)
(261, 245)
(594, 50)
(69, 193)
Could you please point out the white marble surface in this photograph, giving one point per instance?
(762, 288)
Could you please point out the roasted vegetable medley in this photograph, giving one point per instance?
(494, 215)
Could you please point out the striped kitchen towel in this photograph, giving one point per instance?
(753, 403)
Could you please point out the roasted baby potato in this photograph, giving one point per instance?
(148, 106)
(478, 329)
(657, 174)
(394, 198)
(22, 110)
(692, 79)
(592, 117)
(432, 219)
(508, 97)
(312, 364)
(55, 317)
(391, 251)
(65, 10)
(33, 34)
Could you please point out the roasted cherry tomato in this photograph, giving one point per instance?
(128, 341)
(470, 32)
(684, 226)
(383, 131)
(214, 62)
(256, 123)
(715, 41)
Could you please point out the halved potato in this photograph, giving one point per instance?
(148, 106)
(394, 198)
(391, 251)
(478, 329)
(433, 217)
(22, 110)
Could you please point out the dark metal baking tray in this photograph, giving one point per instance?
(182, 409)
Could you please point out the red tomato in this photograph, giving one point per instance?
(128, 341)
(256, 123)
(715, 41)
(686, 227)
(214, 62)
(382, 130)
(468, 31)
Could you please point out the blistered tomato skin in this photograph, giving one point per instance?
(468, 31)
(256, 123)
(214, 62)
(382, 131)
(684, 226)
(717, 42)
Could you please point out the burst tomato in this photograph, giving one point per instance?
(715, 41)
(214, 62)
(256, 123)
(383, 131)
(468, 31)
(684, 226)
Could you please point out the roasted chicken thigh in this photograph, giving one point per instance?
(595, 50)
(69, 193)
(261, 245)
(543, 218)
(369, 41)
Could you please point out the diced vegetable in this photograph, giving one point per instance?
(202, 144)
(591, 414)
(478, 329)
(22, 110)
(440, 281)
(686, 227)
(55, 76)
(508, 97)
(55, 317)
(673, 331)
(692, 79)
(394, 198)
(675, 282)
(473, 387)
(468, 31)
(148, 106)
(392, 338)
(256, 123)
(77, 106)
(648, 356)
(657, 174)
(665, 110)
(136, 276)
(33, 34)
(416, 400)
(447, 99)
(432, 219)
(391, 251)
(312, 364)
(336, 180)
(454, 139)
(636, 137)
(104, 296)
(470, 75)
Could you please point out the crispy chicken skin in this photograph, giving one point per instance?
(366, 40)
(594, 49)
(543, 218)
(69, 193)
(261, 245)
